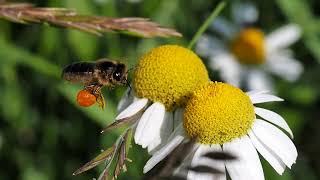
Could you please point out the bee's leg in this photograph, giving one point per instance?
(90, 87)
(97, 93)
(97, 89)
(100, 101)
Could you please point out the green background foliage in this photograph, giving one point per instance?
(45, 135)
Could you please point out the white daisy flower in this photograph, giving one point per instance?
(246, 55)
(163, 80)
(223, 118)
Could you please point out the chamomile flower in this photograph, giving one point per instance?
(246, 55)
(223, 118)
(164, 79)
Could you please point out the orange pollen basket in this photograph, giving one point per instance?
(85, 98)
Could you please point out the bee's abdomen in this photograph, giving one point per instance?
(79, 72)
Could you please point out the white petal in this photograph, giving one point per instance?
(125, 100)
(267, 154)
(248, 165)
(230, 69)
(135, 107)
(224, 27)
(178, 117)
(149, 125)
(208, 45)
(284, 66)
(273, 118)
(182, 169)
(276, 140)
(244, 12)
(259, 80)
(283, 37)
(165, 131)
(174, 140)
(199, 160)
(261, 98)
(256, 92)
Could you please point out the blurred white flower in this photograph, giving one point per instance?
(245, 55)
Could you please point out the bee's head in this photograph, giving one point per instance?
(120, 74)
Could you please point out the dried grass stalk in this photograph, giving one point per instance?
(27, 13)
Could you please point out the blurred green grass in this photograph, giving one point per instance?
(45, 135)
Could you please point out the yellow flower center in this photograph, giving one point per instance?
(249, 46)
(169, 74)
(217, 113)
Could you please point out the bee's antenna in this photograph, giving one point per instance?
(129, 85)
(130, 88)
(133, 68)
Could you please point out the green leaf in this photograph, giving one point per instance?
(49, 40)
(33, 173)
(85, 45)
(270, 173)
(128, 142)
(102, 157)
(304, 94)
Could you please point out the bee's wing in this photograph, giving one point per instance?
(105, 59)
(79, 72)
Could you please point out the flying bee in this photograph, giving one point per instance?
(95, 75)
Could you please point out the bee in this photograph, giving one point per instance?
(95, 75)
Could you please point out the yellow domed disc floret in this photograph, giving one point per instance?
(169, 74)
(217, 113)
(249, 46)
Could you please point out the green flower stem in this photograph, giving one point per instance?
(216, 11)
